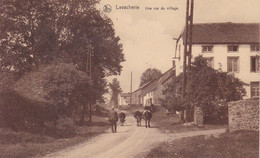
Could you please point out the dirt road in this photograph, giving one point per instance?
(130, 141)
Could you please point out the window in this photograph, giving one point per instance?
(210, 62)
(232, 64)
(254, 89)
(232, 48)
(254, 47)
(207, 49)
(254, 64)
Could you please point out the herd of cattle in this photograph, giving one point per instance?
(113, 117)
(146, 115)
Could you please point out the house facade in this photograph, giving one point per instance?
(231, 47)
(152, 92)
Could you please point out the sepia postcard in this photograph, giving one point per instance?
(129, 78)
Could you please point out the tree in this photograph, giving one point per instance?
(27, 35)
(149, 75)
(67, 88)
(116, 89)
(207, 88)
(41, 32)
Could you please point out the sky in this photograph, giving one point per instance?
(147, 35)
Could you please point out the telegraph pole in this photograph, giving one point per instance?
(184, 77)
(187, 52)
(190, 32)
(131, 84)
(88, 71)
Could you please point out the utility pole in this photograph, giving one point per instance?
(88, 71)
(187, 52)
(131, 88)
(184, 77)
(190, 32)
(188, 108)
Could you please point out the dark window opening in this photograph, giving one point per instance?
(232, 48)
(254, 47)
(254, 64)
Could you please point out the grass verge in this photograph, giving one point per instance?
(228, 145)
(21, 144)
(170, 123)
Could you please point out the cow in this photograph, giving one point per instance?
(138, 117)
(147, 115)
(122, 117)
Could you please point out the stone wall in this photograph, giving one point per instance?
(198, 116)
(243, 115)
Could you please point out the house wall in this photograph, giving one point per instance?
(220, 55)
(149, 96)
(163, 81)
(152, 91)
(137, 97)
(243, 115)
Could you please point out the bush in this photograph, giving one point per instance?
(66, 87)
(207, 88)
(22, 114)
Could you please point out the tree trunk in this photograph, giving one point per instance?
(90, 112)
(188, 117)
(182, 116)
(82, 118)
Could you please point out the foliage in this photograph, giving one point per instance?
(149, 75)
(66, 87)
(33, 33)
(116, 89)
(208, 88)
(172, 93)
(22, 114)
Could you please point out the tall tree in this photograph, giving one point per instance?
(27, 35)
(149, 75)
(46, 31)
(116, 89)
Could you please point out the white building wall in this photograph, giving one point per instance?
(220, 55)
(147, 97)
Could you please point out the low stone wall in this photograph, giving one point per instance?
(243, 115)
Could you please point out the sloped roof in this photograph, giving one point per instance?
(141, 87)
(167, 75)
(225, 33)
(152, 85)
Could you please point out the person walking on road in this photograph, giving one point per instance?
(113, 118)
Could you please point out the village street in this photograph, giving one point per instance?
(129, 141)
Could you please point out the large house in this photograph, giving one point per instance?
(152, 92)
(231, 47)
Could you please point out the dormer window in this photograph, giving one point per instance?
(207, 49)
(254, 47)
(233, 48)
